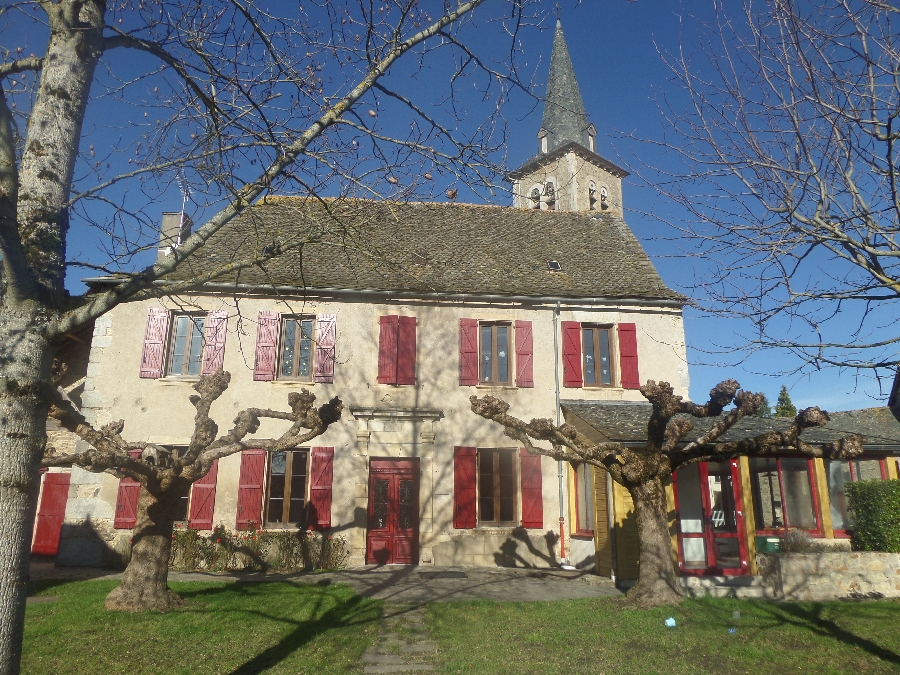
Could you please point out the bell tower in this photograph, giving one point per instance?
(567, 174)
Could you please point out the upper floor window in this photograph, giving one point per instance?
(595, 341)
(535, 198)
(550, 192)
(495, 358)
(491, 352)
(183, 344)
(297, 348)
(588, 356)
(187, 344)
(592, 195)
(397, 350)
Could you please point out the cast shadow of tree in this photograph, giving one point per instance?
(509, 555)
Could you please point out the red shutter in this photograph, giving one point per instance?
(203, 500)
(464, 469)
(628, 356)
(250, 488)
(51, 513)
(532, 494)
(524, 354)
(266, 346)
(127, 500)
(154, 342)
(468, 352)
(321, 475)
(406, 351)
(387, 349)
(571, 338)
(326, 328)
(214, 349)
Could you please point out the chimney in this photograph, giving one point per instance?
(172, 233)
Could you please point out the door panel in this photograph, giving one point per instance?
(393, 514)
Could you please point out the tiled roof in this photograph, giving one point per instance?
(437, 247)
(627, 422)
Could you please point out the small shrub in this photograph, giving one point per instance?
(875, 507)
(799, 541)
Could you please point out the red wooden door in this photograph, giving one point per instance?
(51, 513)
(711, 534)
(393, 528)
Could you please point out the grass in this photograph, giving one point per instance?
(224, 628)
(603, 636)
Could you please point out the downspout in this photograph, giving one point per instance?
(559, 463)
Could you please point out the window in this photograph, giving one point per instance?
(494, 353)
(497, 487)
(286, 495)
(297, 348)
(186, 353)
(535, 198)
(550, 191)
(397, 350)
(783, 493)
(592, 195)
(584, 499)
(839, 473)
(597, 363)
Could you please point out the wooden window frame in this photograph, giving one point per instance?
(282, 342)
(882, 466)
(286, 498)
(496, 487)
(579, 530)
(814, 492)
(510, 351)
(189, 343)
(613, 371)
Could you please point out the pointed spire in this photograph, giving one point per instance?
(564, 117)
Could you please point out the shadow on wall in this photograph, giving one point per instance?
(510, 554)
(90, 545)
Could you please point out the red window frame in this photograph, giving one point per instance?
(813, 484)
(882, 465)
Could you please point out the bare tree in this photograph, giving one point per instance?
(165, 481)
(239, 98)
(783, 142)
(643, 471)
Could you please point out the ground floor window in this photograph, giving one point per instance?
(839, 473)
(286, 491)
(497, 487)
(784, 494)
(584, 500)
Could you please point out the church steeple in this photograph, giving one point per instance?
(565, 120)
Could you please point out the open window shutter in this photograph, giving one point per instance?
(468, 352)
(571, 338)
(203, 500)
(628, 356)
(326, 327)
(266, 346)
(406, 350)
(154, 342)
(250, 488)
(464, 468)
(532, 494)
(127, 499)
(524, 355)
(387, 349)
(214, 349)
(51, 514)
(321, 475)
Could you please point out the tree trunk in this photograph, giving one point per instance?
(145, 583)
(657, 581)
(25, 360)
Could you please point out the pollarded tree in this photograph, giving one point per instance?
(168, 479)
(644, 471)
(103, 104)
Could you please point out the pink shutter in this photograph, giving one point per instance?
(203, 500)
(127, 499)
(464, 469)
(532, 494)
(154, 343)
(326, 329)
(524, 354)
(214, 349)
(571, 338)
(406, 350)
(468, 352)
(387, 349)
(51, 514)
(321, 475)
(250, 489)
(628, 356)
(266, 347)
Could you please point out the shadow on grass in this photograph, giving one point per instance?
(351, 612)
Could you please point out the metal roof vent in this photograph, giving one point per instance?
(554, 266)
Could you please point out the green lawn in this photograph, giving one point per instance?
(604, 636)
(223, 628)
